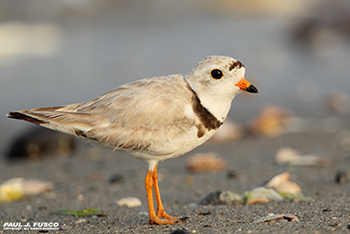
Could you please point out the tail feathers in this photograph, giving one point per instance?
(54, 118)
(28, 114)
(18, 115)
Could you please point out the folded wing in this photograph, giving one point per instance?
(138, 116)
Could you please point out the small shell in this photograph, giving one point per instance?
(288, 187)
(229, 131)
(282, 184)
(258, 200)
(34, 187)
(11, 192)
(262, 195)
(278, 180)
(286, 156)
(16, 188)
(271, 122)
(129, 202)
(208, 162)
(292, 157)
(277, 218)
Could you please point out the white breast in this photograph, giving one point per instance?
(175, 147)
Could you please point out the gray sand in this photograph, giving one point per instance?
(87, 173)
(103, 47)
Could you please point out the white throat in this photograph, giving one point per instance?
(218, 106)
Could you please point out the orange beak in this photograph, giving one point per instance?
(245, 85)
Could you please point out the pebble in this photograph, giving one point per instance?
(80, 197)
(80, 221)
(341, 177)
(277, 189)
(180, 231)
(211, 199)
(205, 162)
(232, 174)
(221, 198)
(116, 178)
(129, 202)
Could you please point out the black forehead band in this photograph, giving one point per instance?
(235, 64)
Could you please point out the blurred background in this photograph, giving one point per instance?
(55, 52)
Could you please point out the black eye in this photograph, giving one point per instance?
(216, 74)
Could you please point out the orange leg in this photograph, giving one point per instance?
(160, 209)
(149, 185)
(162, 218)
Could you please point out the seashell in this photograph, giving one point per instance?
(16, 188)
(288, 187)
(11, 192)
(271, 122)
(205, 162)
(262, 195)
(258, 200)
(277, 218)
(278, 180)
(34, 187)
(129, 202)
(282, 184)
(292, 157)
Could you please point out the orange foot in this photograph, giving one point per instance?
(161, 220)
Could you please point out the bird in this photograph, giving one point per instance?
(153, 119)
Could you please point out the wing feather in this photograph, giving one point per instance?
(142, 115)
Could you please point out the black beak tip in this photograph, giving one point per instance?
(252, 89)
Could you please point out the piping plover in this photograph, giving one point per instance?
(153, 119)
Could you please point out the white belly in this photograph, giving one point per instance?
(175, 147)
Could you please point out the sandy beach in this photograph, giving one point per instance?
(82, 181)
(68, 53)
